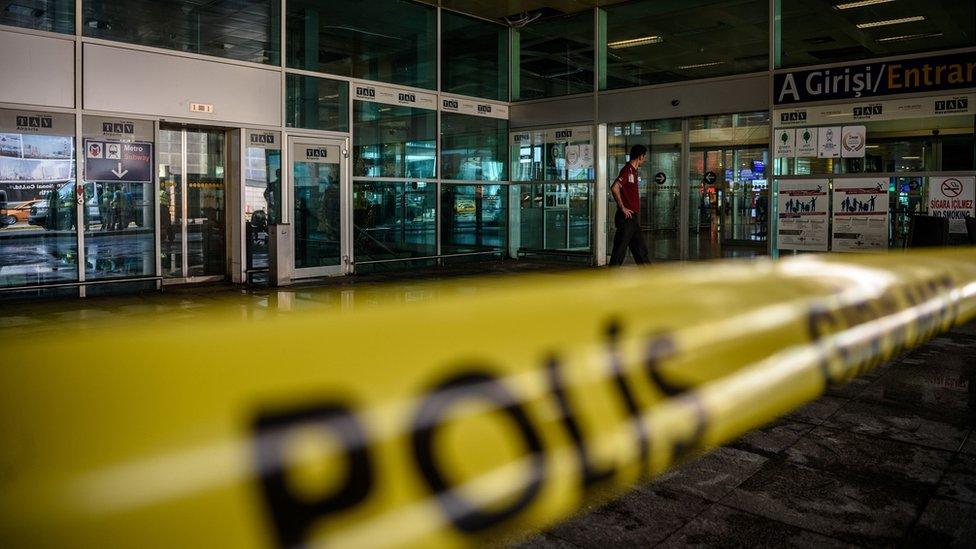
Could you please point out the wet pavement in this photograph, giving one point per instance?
(887, 460)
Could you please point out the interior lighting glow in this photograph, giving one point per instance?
(861, 4)
(634, 42)
(701, 65)
(887, 22)
(905, 37)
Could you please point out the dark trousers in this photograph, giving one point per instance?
(628, 235)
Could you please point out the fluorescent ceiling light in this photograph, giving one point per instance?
(633, 42)
(701, 65)
(911, 158)
(861, 4)
(905, 37)
(887, 22)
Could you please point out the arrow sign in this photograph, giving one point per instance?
(119, 172)
(709, 178)
(660, 178)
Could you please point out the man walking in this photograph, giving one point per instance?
(627, 219)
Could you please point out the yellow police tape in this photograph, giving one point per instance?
(477, 416)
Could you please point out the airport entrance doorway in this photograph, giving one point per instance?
(320, 196)
(192, 166)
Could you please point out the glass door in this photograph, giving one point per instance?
(318, 193)
(192, 203)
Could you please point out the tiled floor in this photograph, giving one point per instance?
(887, 460)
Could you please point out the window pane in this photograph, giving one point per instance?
(38, 236)
(811, 34)
(555, 56)
(656, 41)
(473, 218)
(262, 193)
(474, 57)
(473, 147)
(246, 30)
(385, 40)
(317, 103)
(45, 15)
(392, 141)
(394, 220)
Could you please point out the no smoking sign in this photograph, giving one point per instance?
(951, 188)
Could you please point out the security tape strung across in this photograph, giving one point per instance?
(472, 416)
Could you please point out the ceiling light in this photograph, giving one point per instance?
(911, 158)
(905, 37)
(701, 65)
(861, 4)
(634, 42)
(887, 22)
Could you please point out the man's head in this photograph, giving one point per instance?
(638, 154)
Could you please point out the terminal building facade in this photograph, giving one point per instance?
(148, 142)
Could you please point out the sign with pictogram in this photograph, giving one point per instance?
(122, 162)
(952, 198)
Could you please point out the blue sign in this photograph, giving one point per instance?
(115, 161)
(758, 168)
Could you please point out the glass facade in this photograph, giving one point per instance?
(473, 218)
(262, 194)
(394, 220)
(474, 57)
(811, 33)
(657, 41)
(554, 57)
(393, 41)
(245, 30)
(394, 141)
(45, 15)
(473, 148)
(316, 103)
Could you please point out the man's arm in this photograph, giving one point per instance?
(615, 191)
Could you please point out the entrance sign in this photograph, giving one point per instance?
(853, 141)
(861, 80)
(785, 142)
(953, 198)
(892, 109)
(802, 209)
(860, 215)
(123, 162)
(660, 178)
(394, 96)
(828, 142)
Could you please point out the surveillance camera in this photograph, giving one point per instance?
(935, 131)
(675, 102)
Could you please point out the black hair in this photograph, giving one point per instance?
(637, 151)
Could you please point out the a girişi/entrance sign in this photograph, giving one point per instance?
(438, 422)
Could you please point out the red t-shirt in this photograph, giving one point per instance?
(629, 194)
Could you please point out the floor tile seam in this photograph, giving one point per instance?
(882, 437)
(803, 528)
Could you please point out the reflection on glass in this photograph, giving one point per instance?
(473, 147)
(120, 237)
(474, 56)
(555, 56)
(246, 30)
(473, 218)
(384, 40)
(394, 220)
(316, 217)
(317, 103)
(205, 203)
(393, 141)
(262, 201)
(657, 41)
(555, 216)
(38, 239)
(169, 158)
(45, 15)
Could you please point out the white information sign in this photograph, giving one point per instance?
(474, 108)
(785, 143)
(860, 215)
(953, 198)
(892, 109)
(853, 141)
(802, 209)
(806, 142)
(394, 96)
(828, 142)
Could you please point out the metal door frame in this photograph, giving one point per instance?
(346, 261)
(184, 197)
